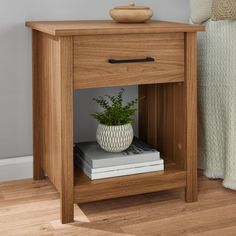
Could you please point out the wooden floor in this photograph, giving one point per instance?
(32, 208)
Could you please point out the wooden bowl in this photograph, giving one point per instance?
(131, 14)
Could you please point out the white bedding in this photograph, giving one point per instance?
(217, 101)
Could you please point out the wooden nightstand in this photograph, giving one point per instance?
(70, 55)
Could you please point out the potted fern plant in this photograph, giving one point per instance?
(115, 131)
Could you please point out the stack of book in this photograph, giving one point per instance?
(99, 164)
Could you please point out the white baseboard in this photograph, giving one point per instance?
(16, 168)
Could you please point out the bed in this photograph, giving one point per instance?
(217, 95)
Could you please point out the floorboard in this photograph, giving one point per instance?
(32, 208)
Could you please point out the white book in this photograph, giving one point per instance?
(138, 152)
(125, 172)
(84, 165)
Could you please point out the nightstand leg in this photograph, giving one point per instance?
(66, 117)
(38, 172)
(67, 209)
(191, 115)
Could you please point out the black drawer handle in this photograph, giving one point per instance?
(147, 59)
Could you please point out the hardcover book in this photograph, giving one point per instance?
(98, 164)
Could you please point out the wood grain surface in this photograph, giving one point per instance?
(73, 55)
(32, 208)
(91, 55)
(53, 115)
(86, 190)
(46, 118)
(162, 120)
(190, 102)
(95, 27)
(37, 107)
(66, 128)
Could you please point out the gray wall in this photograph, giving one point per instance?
(15, 63)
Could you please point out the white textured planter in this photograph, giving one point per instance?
(115, 138)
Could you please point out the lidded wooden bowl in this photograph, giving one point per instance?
(131, 13)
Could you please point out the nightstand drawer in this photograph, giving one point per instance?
(100, 60)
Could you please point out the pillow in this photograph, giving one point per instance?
(223, 10)
(200, 10)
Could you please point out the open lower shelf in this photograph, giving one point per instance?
(86, 190)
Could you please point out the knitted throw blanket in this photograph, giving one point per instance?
(217, 101)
